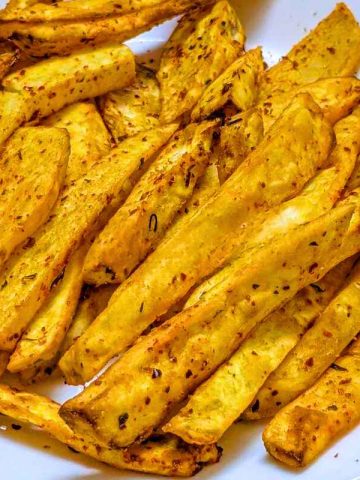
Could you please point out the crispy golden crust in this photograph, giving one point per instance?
(307, 426)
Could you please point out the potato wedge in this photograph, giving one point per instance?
(133, 109)
(237, 85)
(219, 401)
(64, 37)
(33, 166)
(16, 7)
(74, 216)
(140, 224)
(54, 83)
(175, 358)
(315, 352)
(275, 171)
(332, 49)
(168, 456)
(307, 426)
(8, 57)
(4, 360)
(203, 45)
(42, 340)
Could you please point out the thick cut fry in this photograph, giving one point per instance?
(4, 360)
(17, 6)
(319, 347)
(133, 109)
(180, 354)
(275, 171)
(354, 180)
(64, 37)
(8, 57)
(33, 166)
(169, 456)
(26, 281)
(308, 425)
(332, 49)
(51, 84)
(141, 223)
(238, 85)
(203, 45)
(218, 402)
(41, 341)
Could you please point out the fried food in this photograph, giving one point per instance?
(132, 109)
(237, 85)
(307, 426)
(332, 49)
(170, 362)
(203, 45)
(167, 456)
(33, 165)
(75, 216)
(4, 360)
(140, 224)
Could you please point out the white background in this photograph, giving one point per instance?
(275, 25)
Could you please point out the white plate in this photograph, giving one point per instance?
(28, 455)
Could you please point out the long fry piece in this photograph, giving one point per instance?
(275, 171)
(306, 427)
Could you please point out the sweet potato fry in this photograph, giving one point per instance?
(238, 85)
(318, 348)
(203, 45)
(219, 401)
(141, 223)
(176, 357)
(332, 49)
(307, 426)
(54, 83)
(275, 171)
(133, 109)
(33, 166)
(75, 215)
(168, 456)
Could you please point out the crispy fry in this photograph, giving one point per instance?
(308, 425)
(319, 347)
(74, 216)
(4, 360)
(33, 166)
(169, 456)
(64, 37)
(141, 223)
(238, 85)
(17, 6)
(219, 401)
(8, 57)
(51, 84)
(203, 45)
(133, 109)
(177, 356)
(332, 49)
(354, 180)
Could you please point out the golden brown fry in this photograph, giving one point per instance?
(318, 348)
(4, 360)
(176, 357)
(64, 37)
(8, 57)
(51, 84)
(238, 85)
(141, 223)
(332, 49)
(308, 425)
(354, 180)
(133, 109)
(16, 7)
(275, 171)
(219, 401)
(26, 281)
(168, 456)
(203, 45)
(33, 166)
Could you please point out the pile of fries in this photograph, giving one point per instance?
(196, 227)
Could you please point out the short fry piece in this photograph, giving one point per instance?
(169, 456)
(140, 224)
(238, 85)
(203, 45)
(332, 49)
(75, 215)
(308, 425)
(33, 166)
(133, 109)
